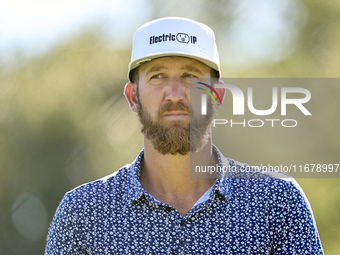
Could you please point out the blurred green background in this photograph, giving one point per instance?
(64, 120)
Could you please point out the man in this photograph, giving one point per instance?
(153, 206)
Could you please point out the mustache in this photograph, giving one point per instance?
(170, 106)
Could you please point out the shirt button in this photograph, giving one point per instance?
(182, 223)
(181, 243)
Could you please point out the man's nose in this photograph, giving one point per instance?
(175, 90)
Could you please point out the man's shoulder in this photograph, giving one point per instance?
(263, 181)
(100, 188)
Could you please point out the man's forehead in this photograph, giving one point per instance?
(180, 63)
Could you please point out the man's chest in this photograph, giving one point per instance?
(219, 228)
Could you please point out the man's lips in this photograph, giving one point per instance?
(175, 113)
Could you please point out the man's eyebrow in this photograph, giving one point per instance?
(155, 69)
(190, 68)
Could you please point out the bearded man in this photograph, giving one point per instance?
(153, 205)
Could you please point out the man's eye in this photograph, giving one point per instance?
(190, 75)
(157, 76)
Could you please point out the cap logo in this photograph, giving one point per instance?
(180, 37)
(183, 38)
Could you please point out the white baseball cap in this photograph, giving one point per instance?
(173, 36)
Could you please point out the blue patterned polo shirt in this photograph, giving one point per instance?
(264, 214)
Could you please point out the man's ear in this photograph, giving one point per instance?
(130, 93)
(221, 93)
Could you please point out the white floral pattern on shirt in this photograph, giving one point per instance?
(116, 215)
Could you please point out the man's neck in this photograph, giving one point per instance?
(167, 177)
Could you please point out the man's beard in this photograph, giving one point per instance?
(176, 136)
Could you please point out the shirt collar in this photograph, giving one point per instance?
(223, 183)
(135, 189)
